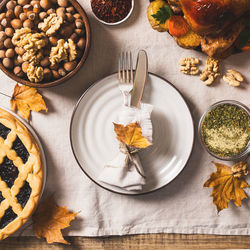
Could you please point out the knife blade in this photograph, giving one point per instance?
(140, 78)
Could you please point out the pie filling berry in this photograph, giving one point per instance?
(9, 216)
(24, 194)
(4, 131)
(20, 149)
(8, 171)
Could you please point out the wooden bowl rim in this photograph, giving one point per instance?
(83, 14)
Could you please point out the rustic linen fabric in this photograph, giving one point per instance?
(183, 206)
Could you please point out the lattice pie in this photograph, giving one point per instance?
(21, 174)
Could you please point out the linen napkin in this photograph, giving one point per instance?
(122, 172)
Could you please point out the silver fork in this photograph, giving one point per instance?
(125, 76)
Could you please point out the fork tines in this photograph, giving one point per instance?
(125, 67)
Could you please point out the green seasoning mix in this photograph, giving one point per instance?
(226, 130)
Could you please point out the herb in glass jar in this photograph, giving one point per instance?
(226, 130)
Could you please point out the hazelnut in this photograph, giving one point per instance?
(5, 22)
(46, 52)
(18, 10)
(55, 74)
(66, 31)
(46, 4)
(16, 23)
(31, 15)
(23, 16)
(20, 59)
(25, 66)
(1, 28)
(1, 45)
(69, 17)
(2, 53)
(74, 37)
(18, 71)
(79, 32)
(11, 5)
(54, 67)
(53, 40)
(45, 62)
(77, 16)
(23, 2)
(61, 12)
(62, 72)
(16, 63)
(79, 23)
(42, 15)
(28, 24)
(2, 16)
(36, 8)
(70, 10)
(50, 11)
(8, 63)
(27, 8)
(47, 74)
(81, 43)
(20, 51)
(3, 36)
(69, 66)
(62, 3)
(8, 43)
(10, 53)
(10, 14)
(9, 31)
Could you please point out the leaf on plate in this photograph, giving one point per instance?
(228, 184)
(49, 219)
(25, 99)
(131, 135)
(163, 14)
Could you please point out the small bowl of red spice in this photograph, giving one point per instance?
(112, 12)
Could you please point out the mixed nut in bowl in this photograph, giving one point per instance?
(43, 42)
(224, 130)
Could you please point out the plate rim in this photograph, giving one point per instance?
(92, 179)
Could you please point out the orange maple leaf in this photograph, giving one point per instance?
(228, 184)
(49, 219)
(131, 135)
(25, 99)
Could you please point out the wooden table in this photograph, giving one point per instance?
(137, 242)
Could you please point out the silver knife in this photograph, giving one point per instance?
(141, 74)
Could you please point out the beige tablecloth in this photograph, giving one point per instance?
(184, 206)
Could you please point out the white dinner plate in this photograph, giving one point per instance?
(94, 143)
(32, 131)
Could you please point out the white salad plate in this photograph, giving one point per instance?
(94, 143)
(32, 131)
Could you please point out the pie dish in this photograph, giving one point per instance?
(21, 174)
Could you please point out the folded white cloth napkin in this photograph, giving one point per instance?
(118, 172)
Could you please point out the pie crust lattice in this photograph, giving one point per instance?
(24, 167)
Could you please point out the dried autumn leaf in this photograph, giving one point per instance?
(228, 184)
(25, 99)
(49, 219)
(131, 135)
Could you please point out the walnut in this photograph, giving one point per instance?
(18, 36)
(51, 24)
(32, 56)
(72, 50)
(35, 73)
(233, 78)
(64, 51)
(59, 53)
(240, 169)
(189, 66)
(211, 72)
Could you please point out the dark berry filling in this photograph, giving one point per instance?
(24, 194)
(4, 131)
(20, 149)
(1, 197)
(8, 171)
(8, 216)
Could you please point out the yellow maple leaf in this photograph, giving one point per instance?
(131, 135)
(49, 219)
(25, 99)
(228, 184)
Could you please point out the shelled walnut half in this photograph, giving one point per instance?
(189, 66)
(211, 72)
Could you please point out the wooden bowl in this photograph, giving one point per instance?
(53, 83)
